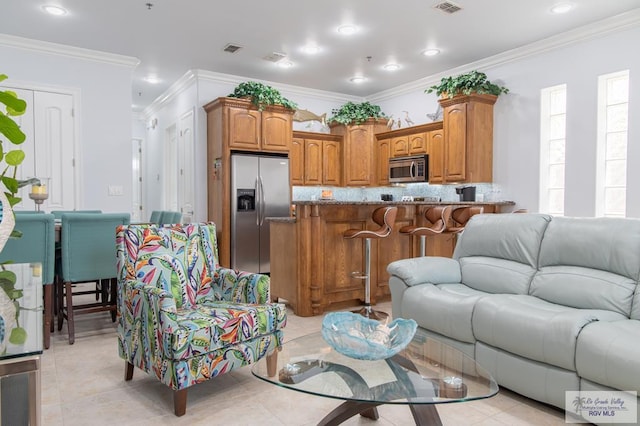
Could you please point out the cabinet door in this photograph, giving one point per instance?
(384, 148)
(436, 156)
(312, 162)
(455, 145)
(331, 164)
(358, 157)
(400, 146)
(296, 161)
(276, 131)
(418, 143)
(244, 129)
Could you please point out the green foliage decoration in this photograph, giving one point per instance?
(465, 84)
(261, 95)
(10, 158)
(8, 281)
(353, 113)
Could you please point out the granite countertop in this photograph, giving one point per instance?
(380, 202)
(281, 219)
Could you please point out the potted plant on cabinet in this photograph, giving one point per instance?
(466, 84)
(352, 113)
(261, 95)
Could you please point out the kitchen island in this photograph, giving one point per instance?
(312, 264)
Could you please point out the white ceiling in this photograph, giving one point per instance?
(175, 36)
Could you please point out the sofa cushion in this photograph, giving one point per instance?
(212, 325)
(493, 275)
(608, 353)
(533, 328)
(584, 288)
(498, 253)
(445, 309)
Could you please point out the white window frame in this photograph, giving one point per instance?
(545, 142)
(602, 133)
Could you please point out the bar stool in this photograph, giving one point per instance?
(460, 216)
(386, 218)
(437, 219)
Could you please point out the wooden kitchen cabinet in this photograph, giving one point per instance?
(435, 149)
(384, 150)
(400, 146)
(253, 130)
(468, 138)
(418, 143)
(296, 161)
(359, 151)
(315, 159)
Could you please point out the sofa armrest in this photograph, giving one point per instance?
(242, 287)
(426, 270)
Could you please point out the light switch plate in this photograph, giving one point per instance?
(115, 190)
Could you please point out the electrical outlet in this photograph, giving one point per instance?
(115, 190)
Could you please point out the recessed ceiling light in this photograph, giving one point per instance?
(347, 29)
(55, 10)
(311, 49)
(391, 67)
(285, 64)
(357, 79)
(561, 8)
(152, 79)
(431, 52)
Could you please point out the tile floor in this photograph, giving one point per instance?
(83, 384)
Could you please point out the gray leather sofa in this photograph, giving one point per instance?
(545, 304)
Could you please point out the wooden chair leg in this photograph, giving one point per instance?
(60, 303)
(180, 402)
(69, 310)
(48, 314)
(113, 286)
(128, 371)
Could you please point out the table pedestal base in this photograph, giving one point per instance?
(423, 414)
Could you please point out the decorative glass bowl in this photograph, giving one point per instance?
(362, 338)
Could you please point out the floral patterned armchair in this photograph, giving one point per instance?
(183, 317)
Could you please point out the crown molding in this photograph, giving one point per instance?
(297, 90)
(611, 25)
(68, 51)
(187, 80)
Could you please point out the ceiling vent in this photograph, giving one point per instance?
(275, 56)
(448, 7)
(232, 48)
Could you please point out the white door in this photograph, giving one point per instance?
(186, 178)
(49, 148)
(137, 208)
(171, 169)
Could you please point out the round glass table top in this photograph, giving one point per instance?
(427, 371)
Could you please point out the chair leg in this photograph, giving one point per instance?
(113, 287)
(48, 314)
(60, 302)
(128, 371)
(69, 310)
(272, 363)
(180, 402)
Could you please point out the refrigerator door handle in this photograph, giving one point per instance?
(256, 187)
(262, 201)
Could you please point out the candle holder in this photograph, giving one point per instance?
(38, 194)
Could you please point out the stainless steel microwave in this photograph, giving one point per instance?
(409, 169)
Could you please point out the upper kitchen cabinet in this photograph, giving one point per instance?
(248, 129)
(315, 159)
(468, 138)
(359, 151)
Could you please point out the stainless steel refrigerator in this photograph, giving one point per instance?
(259, 189)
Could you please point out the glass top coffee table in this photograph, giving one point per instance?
(426, 373)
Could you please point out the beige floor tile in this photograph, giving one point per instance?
(84, 384)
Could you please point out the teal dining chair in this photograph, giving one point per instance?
(87, 255)
(168, 217)
(58, 213)
(155, 216)
(35, 245)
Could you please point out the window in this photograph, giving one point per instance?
(553, 112)
(611, 171)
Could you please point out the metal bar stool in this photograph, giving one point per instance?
(437, 219)
(385, 217)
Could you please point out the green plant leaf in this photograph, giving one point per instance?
(11, 130)
(471, 82)
(261, 95)
(18, 336)
(15, 157)
(352, 113)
